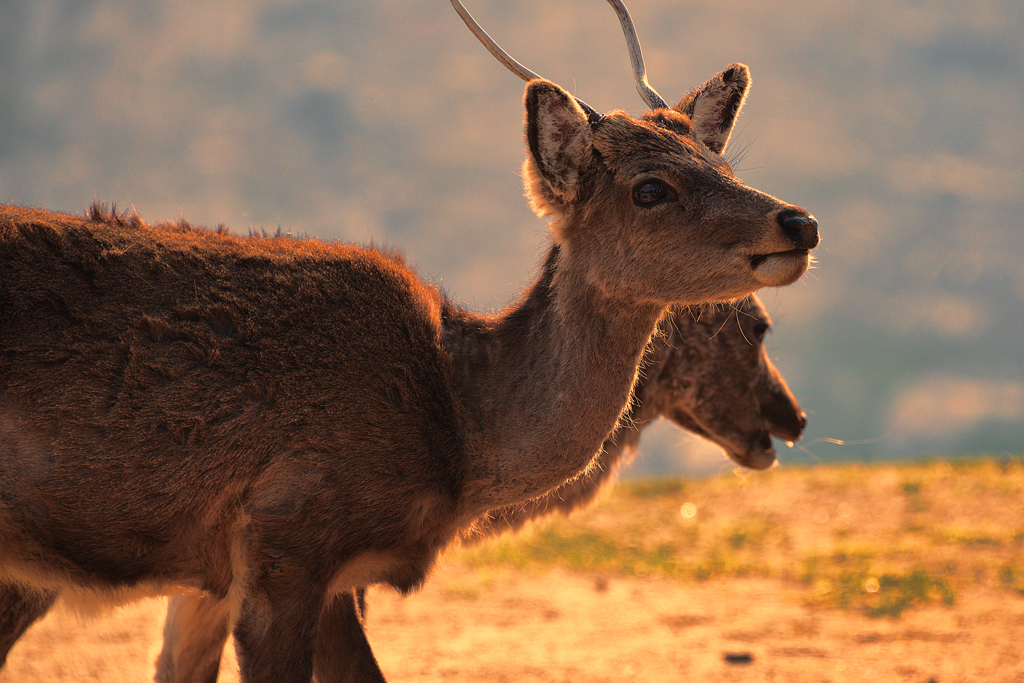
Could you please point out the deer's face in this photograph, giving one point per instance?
(652, 208)
(716, 380)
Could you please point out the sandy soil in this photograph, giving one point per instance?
(559, 627)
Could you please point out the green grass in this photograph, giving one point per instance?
(880, 539)
(848, 582)
(578, 551)
(1011, 578)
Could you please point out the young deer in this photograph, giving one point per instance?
(274, 422)
(706, 370)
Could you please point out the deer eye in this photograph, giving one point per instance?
(651, 192)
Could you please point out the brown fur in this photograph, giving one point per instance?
(707, 371)
(275, 422)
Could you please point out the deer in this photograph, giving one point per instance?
(706, 370)
(276, 423)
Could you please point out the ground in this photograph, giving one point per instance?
(825, 575)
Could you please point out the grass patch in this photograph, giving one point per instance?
(848, 582)
(750, 533)
(596, 553)
(876, 551)
(911, 488)
(462, 592)
(1011, 578)
(898, 592)
(579, 551)
(958, 535)
(654, 488)
(916, 501)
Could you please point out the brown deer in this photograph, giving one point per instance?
(275, 422)
(706, 370)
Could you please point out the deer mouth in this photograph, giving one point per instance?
(753, 449)
(780, 268)
(757, 261)
(758, 455)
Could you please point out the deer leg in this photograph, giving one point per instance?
(196, 630)
(20, 607)
(275, 634)
(343, 654)
(194, 635)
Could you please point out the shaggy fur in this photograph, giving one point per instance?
(707, 370)
(276, 422)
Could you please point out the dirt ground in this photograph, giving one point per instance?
(555, 626)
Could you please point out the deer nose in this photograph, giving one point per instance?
(785, 419)
(800, 227)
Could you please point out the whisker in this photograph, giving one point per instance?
(736, 155)
(808, 452)
(721, 327)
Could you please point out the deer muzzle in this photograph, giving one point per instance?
(799, 227)
(783, 267)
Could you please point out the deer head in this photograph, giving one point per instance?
(711, 374)
(649, 205)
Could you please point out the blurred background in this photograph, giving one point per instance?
(898, 124)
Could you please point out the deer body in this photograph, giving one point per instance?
(274, 422)
(163, 376)
(707, 370)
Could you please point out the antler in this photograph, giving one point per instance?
(505, 58)
(636, 58)
(648, 94)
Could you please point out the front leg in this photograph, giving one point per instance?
(194, 636)
(20, 607)
(197, 628)
(275, 635)
(343, 654)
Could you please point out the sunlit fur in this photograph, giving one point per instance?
(708, 372)
(275, 422)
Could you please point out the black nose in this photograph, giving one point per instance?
(785, 419)
(800, 227)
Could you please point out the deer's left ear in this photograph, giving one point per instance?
(559, 136)
(714, 106)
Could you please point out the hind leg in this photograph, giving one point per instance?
(20, 607)
(195, 632)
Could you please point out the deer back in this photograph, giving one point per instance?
(189, 375)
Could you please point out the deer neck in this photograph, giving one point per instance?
(545, 384)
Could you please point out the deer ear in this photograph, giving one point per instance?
(558, 134)
(714, 106)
